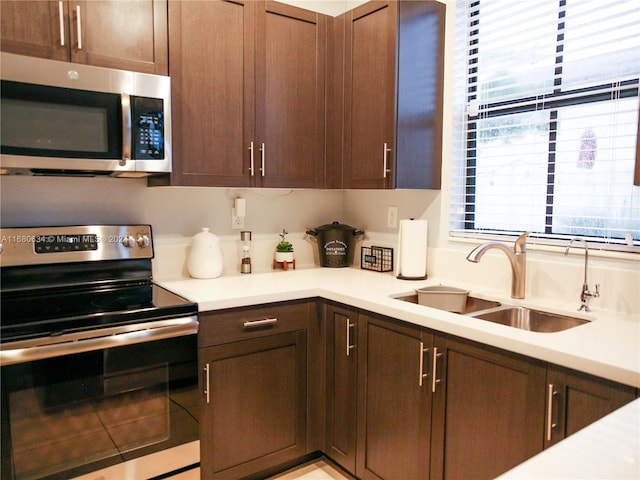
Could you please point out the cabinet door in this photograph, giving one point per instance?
(35, 28)
(255, 402)
(574, 400)
(342, 369)
(123, 34)
(213, 94)
(290, 72)
(370, 43)
(418, 153)
(394, 401)
(487, 411)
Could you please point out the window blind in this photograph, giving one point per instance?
(546, 108)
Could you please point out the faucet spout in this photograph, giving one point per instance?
(517, 259)
(586, 294)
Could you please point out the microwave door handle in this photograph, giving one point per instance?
(126, 128)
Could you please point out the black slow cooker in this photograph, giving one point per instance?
(336, 243)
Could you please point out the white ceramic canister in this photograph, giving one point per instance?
(205, 257)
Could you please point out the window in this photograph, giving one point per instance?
(546, 118)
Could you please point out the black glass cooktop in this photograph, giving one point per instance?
(48, 312)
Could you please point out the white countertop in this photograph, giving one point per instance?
(608, 346)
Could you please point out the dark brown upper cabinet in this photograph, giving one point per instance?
(122, 34)
(391, 98)
(248, 80)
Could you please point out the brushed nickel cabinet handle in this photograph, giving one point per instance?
(349, 345)
(61, 18)
(422, 374)
(260, 323)
(79, 27)
(551, 393)
(434, 380)
(207, 385)
(251, 159)
(385, 161)
(262, 159)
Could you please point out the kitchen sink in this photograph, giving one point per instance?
(473, 304)
(529, 319)
(510, 315)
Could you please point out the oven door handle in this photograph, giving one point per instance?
(98, 339)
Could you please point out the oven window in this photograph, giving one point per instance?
(74, 414)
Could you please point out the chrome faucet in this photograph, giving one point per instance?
(517, 259)
(585, 294)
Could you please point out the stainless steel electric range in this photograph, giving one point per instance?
(98, 363)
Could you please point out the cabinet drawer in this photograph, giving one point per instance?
(224, 326)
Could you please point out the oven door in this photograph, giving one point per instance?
(72, 414)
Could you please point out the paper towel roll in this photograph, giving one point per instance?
(412, 250)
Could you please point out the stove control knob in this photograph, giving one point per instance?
(143, 241)
(128, 241)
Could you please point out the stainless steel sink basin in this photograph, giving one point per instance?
(473, 304)
(529, 319)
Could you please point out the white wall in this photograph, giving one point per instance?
(328, 7)
(28, 201)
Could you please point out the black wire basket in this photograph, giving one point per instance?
(378, 259)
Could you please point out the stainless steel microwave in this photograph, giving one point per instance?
(60, 118)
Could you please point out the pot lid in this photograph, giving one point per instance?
(335, 226)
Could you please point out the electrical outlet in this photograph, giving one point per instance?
(237, 222)
(392, 217)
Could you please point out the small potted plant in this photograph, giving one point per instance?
(284, 249)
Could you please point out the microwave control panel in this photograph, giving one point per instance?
(148, 128)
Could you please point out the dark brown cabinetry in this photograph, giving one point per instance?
(248, 81)
(123, 34)
(488, 410)
(255, 388)
(394, 401)
(432, 406)
(393, 74)
(342, 376)
(574, 400)
(383, 398)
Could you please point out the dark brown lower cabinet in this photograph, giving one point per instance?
(574, 400)
(255, 412)
(394, 400)
(255, 365)
(384, 399)
(488, 410)
(342, 375)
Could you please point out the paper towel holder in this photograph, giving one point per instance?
(399, 272)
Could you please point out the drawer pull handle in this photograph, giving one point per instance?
(260, 323)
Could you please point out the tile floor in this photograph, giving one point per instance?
(316, 470)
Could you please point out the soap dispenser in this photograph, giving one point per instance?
(205, 257)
